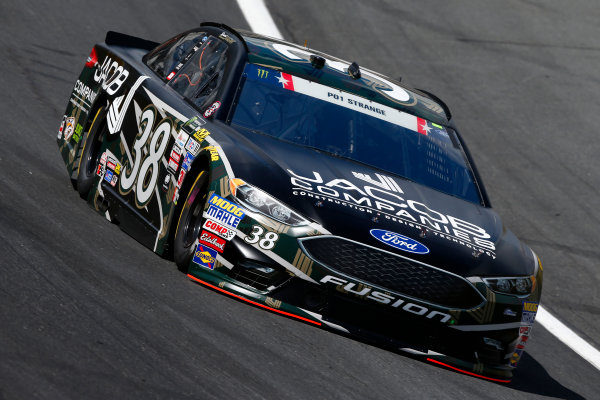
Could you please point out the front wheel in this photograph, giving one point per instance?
(90, 155)
(190, 222)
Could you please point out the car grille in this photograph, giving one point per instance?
(392, 272)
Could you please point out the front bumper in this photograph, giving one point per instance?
(485, 340)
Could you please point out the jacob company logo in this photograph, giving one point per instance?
(399, 241)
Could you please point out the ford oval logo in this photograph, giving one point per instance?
(398, 241)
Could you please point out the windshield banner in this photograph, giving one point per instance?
(334, 96)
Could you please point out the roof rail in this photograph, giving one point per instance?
(227, 28)
(439, 101)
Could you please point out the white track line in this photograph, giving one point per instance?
(258, 17)
(568, 337)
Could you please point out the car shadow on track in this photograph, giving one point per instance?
(531, 377)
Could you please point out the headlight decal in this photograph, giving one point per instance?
(518, 286)
(261, 202)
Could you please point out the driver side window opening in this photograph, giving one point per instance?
(192, 64)
(165, 58)
(199, 77)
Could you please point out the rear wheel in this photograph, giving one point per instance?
(90, 155)
(190, 222)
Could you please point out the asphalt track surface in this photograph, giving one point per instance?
(87, 312)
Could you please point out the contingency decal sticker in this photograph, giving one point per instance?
(61, 127)
(69, 128)
(109, 168)
(218, 229)
(212, 109)
(527, 319)
(224, 212)
(205, 257)
(213, 241)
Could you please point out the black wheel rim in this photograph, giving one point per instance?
(93, 155)
(193, 223)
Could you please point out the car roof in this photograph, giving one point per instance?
(294, 59)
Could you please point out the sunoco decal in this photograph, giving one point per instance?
(398, 241)
(205, 256)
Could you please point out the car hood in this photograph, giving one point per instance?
(364, 204)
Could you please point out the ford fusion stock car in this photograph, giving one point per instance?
(306, 185)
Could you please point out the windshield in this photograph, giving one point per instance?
(345, 125)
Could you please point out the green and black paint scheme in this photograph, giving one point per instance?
(126, 116)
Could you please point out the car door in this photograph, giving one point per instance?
(147, 159)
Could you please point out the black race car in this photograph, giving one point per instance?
(305, 185)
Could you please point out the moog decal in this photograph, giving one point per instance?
(224, 212)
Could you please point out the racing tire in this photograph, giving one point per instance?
(90, 155)
(190, 222)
